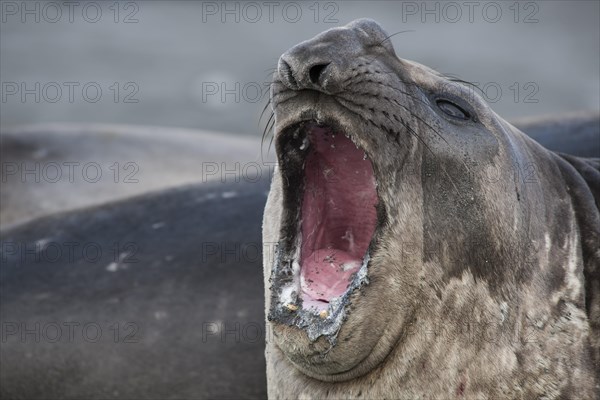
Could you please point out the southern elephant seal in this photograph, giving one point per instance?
(49, 168)
(151, 306)
(575, 133)
(152, 297)
(426, 247)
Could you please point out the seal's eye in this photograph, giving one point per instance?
(452, 109)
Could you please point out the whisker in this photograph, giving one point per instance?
(471, 84)
(263, 111)
(394, 34)
(268, 128)
(269, 76)
(388, 38)
(406, 108)
(411, 131)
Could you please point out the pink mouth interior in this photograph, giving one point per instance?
(338, 216)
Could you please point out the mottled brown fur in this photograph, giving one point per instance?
(479, 275)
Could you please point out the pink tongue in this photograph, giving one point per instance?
(338, 216)
(326, 273)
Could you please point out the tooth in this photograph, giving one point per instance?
(323, 314)
(291, 307)
(304, 144)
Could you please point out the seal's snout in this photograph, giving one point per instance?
(325, 62)
(300, 70)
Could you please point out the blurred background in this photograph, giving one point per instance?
(207, 64)
(77, 70)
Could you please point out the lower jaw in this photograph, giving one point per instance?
(291, 307)
(351, 353)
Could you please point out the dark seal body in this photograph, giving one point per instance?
(158, 296)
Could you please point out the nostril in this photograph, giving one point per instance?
(316, 71)
(286, 74)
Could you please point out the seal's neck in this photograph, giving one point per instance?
(582, 178)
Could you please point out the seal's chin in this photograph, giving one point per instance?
(330, 215)
(338, 215)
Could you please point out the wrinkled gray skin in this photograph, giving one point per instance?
(484, 282)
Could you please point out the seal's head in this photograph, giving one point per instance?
(398, 197)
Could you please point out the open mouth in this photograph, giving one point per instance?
(338, 215)
(331, 213)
